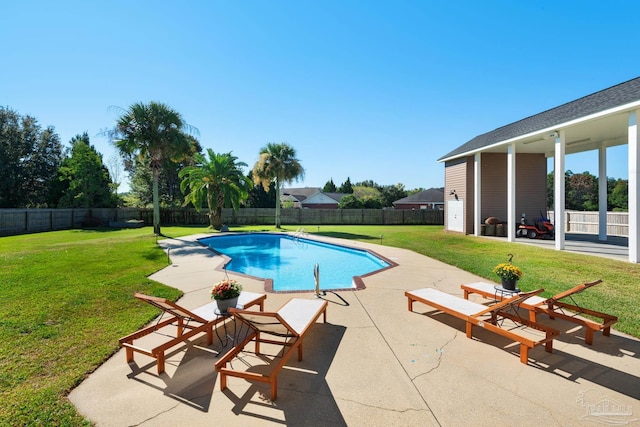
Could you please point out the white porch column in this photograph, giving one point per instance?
(634, 198)
(477, 194)
(511, 192)
(558, 190)
(602, 192)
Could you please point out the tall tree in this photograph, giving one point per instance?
(619, 196)
(258, 197)
(329, 187)
(582, 192)
(346, 187)
(116, 168)
(155, 133)
(219, 179)
(391, 193)
(277, 163)
(84, 178)
(29, 160)
(141, 179)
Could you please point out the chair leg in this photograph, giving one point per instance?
(548, 346)
(223, 381)
(129, 354)
(274, 387)
(524, 354)
(550, 307)
(160, 358)
(588, 338)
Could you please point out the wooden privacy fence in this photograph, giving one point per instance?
(266, 216)
(20, 221)
(588, 222)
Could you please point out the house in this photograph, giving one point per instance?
(502, 173)
(432, 198)
(311, 198)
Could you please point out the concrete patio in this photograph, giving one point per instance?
(373, 363)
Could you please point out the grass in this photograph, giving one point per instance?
(67, 298)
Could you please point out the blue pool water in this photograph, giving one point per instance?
(290, 261)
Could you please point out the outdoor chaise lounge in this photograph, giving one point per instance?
(201, 319)
(554, 307)
(492, 318)
(290, 324)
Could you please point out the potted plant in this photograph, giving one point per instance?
(509, 274)
(226, 293)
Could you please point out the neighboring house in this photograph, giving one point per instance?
(432, 198)
(311, 198)
(503, 172)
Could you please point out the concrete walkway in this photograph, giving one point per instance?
(373, 363)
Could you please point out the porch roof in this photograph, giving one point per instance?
(589, 121)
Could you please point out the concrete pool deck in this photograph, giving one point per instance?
(373, 363)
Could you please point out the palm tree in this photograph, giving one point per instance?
(277, 162)
(220, 178)
(155, 133)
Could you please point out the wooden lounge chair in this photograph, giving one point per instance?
(201, 319)
(490, 318)
(290, 324)
(554, 307)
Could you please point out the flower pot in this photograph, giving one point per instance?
(225, 304)
(509, 284)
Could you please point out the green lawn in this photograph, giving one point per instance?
(67, 297)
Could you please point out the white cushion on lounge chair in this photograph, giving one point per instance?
(297, 311)
(455, 303)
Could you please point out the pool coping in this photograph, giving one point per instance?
(268, 282)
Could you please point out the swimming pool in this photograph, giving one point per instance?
(289, 260)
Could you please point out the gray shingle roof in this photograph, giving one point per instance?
(302, 194)
(432, 195)
(615, 96)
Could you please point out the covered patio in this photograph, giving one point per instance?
(499, 169)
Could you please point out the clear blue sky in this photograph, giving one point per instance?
(365, 89)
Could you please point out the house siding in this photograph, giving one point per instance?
(531, 189)
(531, 185)
(494, 186)
(469, 200)
(455, 179)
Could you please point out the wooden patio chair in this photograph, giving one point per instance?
(290, 324)
(491, 318)
(553, 307)
(186, 322)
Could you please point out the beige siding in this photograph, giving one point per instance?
(494, 186)
(455, 179)
(469, 200)
(531, 187)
